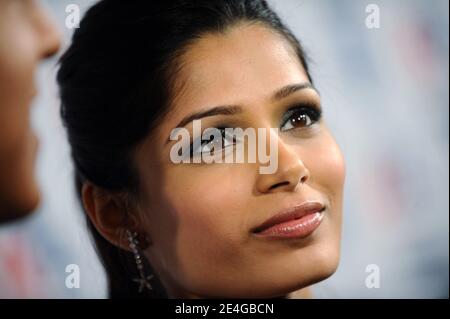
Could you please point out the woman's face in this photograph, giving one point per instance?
(200, 217)
(26, 37)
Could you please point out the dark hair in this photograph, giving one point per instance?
(116, 82)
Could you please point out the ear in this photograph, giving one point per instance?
(109, 213)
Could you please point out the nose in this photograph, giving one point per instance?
(49, 37)
(290, 173)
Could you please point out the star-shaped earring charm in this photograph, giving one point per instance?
(144, 282)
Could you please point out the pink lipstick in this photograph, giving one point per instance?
(299, 221)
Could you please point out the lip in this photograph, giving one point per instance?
(32, 94)
(297, 221)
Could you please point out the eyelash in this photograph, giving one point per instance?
(206, 142)
(312, 111)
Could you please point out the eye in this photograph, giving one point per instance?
(301, 116)
(214, 143)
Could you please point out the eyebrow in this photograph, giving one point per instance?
(292, 88)
(236, 109)
(218, 110)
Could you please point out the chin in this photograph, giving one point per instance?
(322, 263)
(325, 262)
(22, 206)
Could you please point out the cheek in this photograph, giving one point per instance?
(17, 143)
(19, 55)
(18, 61)
(327, 170)
(327, 167)
(205, 220)
(212, 206)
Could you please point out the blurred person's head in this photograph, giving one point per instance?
(26, 37)
(133, 72)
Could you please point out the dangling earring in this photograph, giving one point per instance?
(143, 280)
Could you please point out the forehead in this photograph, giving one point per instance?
(244, 66)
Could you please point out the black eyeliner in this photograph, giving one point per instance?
(314, 111)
